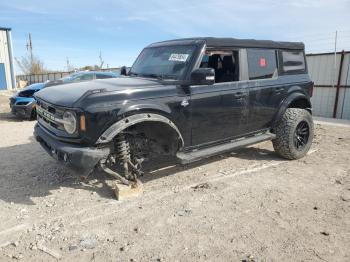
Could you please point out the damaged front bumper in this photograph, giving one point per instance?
(77, 157)
(22, 108)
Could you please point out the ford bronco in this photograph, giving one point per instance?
(184, 99)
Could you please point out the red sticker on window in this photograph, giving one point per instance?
(262, 62)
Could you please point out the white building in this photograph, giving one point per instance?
(7, 75)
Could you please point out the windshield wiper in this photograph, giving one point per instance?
(151, 75)
(160, 77)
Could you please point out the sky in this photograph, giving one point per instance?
(80, 29)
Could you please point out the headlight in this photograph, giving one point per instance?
(69, 122)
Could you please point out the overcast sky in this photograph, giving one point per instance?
(120, 29)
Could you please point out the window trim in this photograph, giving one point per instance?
(291, 72)
(277, 65)
(241, 61)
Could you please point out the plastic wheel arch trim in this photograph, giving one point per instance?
(126, 122)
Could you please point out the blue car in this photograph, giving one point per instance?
(23, 103)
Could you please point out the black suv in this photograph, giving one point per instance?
(183, 99)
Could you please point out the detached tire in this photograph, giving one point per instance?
(294, 134)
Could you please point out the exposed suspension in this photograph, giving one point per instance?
(126, 162)
(122, 151)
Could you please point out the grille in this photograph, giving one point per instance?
(49, 116)
(22, 103)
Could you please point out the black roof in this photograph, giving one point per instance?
(234, 42)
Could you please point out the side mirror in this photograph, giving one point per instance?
(123, 71)
(203, 76)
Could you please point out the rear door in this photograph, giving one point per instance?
(266, 91)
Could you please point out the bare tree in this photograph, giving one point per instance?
(30, 64)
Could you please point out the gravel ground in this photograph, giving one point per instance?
(249, 205)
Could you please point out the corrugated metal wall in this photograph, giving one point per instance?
(325, 75)
(5, 57)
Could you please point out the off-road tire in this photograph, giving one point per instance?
(285, 130)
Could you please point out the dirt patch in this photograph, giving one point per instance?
(248, 205)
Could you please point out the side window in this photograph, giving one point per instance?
(84, 77)
(224, 63)
(261, 63)
(293, 61)
(102, 76)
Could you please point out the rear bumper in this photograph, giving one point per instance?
(81, 159)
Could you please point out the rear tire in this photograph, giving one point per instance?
(294, 134)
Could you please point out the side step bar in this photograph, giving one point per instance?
(192, 156)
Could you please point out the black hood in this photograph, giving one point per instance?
(68, 94)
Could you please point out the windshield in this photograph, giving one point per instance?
(163, 62)
(71, 76)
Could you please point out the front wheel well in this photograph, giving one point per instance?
(156, 138)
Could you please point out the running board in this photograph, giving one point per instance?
(192, 156)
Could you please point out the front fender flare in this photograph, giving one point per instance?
(126, 122)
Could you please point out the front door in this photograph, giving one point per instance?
(219, 111)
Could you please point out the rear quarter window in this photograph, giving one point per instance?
(293, 61)
(103, 76)
(261, 63)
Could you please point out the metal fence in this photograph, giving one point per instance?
(39, 78)
(331, 75)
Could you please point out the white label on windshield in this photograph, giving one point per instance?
(178, 57)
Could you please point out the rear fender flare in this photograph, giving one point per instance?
(287, 102)
(126, 122)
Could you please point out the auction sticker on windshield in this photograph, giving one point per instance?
(178, 57)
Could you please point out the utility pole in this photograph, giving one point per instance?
(29, 46)
(101, 60)
(68, 65)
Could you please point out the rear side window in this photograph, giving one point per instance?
(261, 63)
(102, 76)
(293, 61)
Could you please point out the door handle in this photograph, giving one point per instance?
(239, 95)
